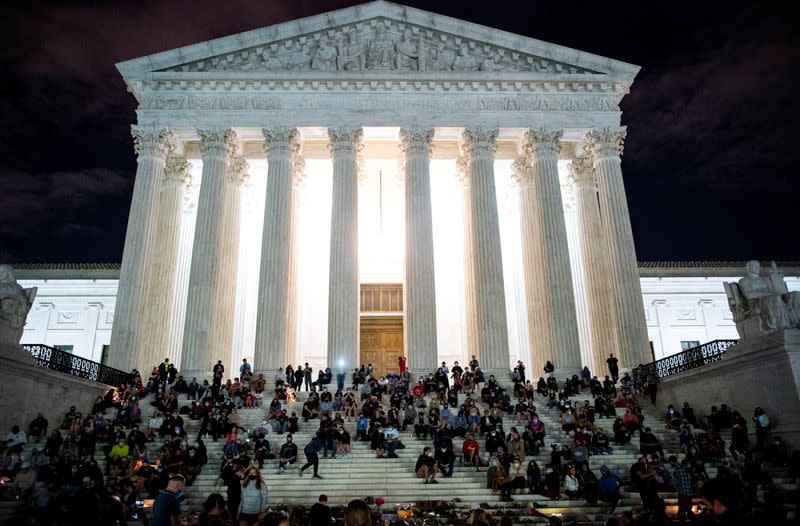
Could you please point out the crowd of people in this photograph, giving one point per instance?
(470, 420)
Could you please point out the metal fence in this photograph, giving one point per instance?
(693, 358)
(64, 362)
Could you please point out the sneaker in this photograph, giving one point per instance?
(434, 482)
(316, 477)
(300, 471)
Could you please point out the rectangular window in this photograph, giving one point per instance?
(688, 344)
(65, 348)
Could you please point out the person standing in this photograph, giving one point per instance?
(254, 497)
(167, 506)
(762, 424)
(320, 513)
(613, 367)
(683, 484)
(652, 387)
(473, 364)
(298, 378)
(521, 370)
(312, 456)
(244, 369)
(219, 373)
(307, 376)
(401, 362)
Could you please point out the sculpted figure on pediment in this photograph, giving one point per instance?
(352, 55)
(493, 64)
(440, 59)
(465, 61)
(325, 56)
(381, 50)
(271, 63)
(299, 58)
(408, 53)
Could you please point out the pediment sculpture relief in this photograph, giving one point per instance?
(761, 303)
(378, 45)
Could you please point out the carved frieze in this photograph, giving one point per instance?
(465, 102)
(378, 44)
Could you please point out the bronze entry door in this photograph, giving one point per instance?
(381, 343)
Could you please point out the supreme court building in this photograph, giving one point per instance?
(375, 181)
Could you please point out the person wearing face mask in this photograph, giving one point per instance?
(118, 456)
(445, 458)
(552, 483)
(254, 498)
(494, 440)
(426, 467)
(537, 430)
(167, 506)
(517, 473)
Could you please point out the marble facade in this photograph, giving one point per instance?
(326, 96)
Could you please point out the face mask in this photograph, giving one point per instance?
(493, 463)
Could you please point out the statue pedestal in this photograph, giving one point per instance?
(9, 351)
(763, 372)
(26, 388)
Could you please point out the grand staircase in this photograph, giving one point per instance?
(361, 474)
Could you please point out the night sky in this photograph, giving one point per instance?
(710, 162)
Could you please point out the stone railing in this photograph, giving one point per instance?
(64, 362)
(693, 358)
(381, 297)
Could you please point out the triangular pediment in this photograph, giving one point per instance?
(378, 39)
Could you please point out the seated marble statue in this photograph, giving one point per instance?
(15, 303)
(761, 303)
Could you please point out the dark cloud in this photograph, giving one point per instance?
(710, 118)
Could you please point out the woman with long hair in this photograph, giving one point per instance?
(254, 497)
(215, 512)
(357, 513)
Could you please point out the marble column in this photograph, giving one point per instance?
(208, 330)
(552, 321)
(419, 288)
(129, 333)
(275, 319)
(605, 147)
(165, 268)
(479, 147)
(293, 305)
(343, 306)
(470, 308)
(595, 275)
(183, 265)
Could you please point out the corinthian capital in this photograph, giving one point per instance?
(345, 140)
(416, 141)
(177, 171)
(281, 142)
(521, 171)
(581, 172)
(605, 143)
(542, 142)
(479, 142)
(149, 141)
(219, 142)
(238, 171)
